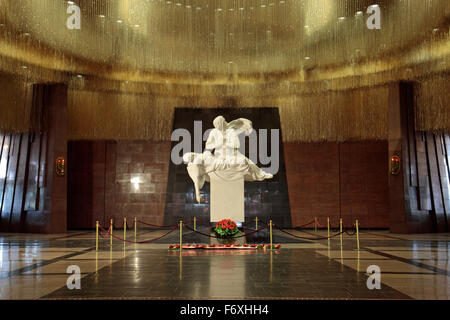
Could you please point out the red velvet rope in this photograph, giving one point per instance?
(144, 241)
(202, 223)
(156, 226)
(305, 238)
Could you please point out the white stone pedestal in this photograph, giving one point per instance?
(226, 199)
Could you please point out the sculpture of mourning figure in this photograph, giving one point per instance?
(227, 162)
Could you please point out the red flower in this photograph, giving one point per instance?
(224, 227)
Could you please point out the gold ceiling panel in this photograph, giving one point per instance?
(221, 38)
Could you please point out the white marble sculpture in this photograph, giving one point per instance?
(227, 164)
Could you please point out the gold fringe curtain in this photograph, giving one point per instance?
(432, 101)
(356, 114)
(15, 104)
(334, 116)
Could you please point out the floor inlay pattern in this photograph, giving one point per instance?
(34, 266)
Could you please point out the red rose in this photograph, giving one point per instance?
(224, 227)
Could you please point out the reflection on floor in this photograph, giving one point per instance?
(412, 267)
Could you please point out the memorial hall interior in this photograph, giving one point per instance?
(91, 92)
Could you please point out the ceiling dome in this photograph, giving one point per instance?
(217, 38)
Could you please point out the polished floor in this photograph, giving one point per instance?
(412, 267)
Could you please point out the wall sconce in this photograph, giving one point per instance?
(395, 165)
(60, 166)
(136, 181)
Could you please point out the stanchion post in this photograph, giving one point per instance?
(135, 228)
(315, 224)
(271, 244)
(195, 223)
(256, 223)
(96, 236)
(328, 226)
(357, 233)
(340, 230)
(181, 235)
(125, 228)
(111, 232)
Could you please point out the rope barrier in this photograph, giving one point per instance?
(175, 227)
(201, 222)
(155, 225)
(100, 232)
(348, 233)
(305, 238)
(144, 241)
(304, 225)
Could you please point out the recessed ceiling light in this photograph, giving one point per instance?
(358, 13)
(178, 4)
(79, 76)
(70, 2)
(26, 34)
(188, 7)
(101, 15)
(241, 9)
(136, 26)
(24, 67)
(341, 18)
(198, 8)
(263, 6)
(307, 58)
(219, 9)
(119, 21)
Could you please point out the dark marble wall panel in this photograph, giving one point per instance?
(10, 185)
(335, 180)
(422, 172)
(32, 191)
(20, 188)
(32, 197)
(418, 196)
(100, 183)
(446, 188)
(4, 161)
(443, 172)
(79, 184)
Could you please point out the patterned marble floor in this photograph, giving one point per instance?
(412, 267)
